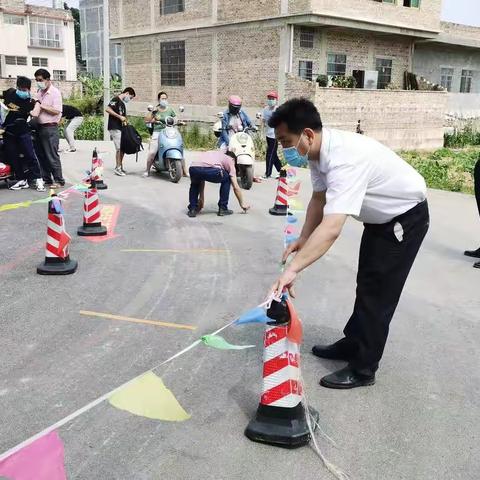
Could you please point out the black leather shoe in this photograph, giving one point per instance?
(222, 212)
(192, 213)
(336, 351)
(476, 265)
(346, 378)
(472, 253)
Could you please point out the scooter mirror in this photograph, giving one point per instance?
(150, 108)
(220, 114)
(181, 108)
(259, 115)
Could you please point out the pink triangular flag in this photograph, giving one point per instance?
(41, 460)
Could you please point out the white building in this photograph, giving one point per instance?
(32, 37)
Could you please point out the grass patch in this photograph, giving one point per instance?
(445, 169)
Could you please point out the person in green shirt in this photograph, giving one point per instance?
(158, 118)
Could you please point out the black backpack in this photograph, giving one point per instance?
(131, 141)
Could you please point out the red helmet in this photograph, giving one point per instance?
(235, 100)
(272, 94)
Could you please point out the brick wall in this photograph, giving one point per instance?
(67, 88)
(426, 17)
(252, 69)
(138, 66)
(236, 10)
(400, 119)
(297, 87)
(460, 31)
(115, 14)
(195, 10)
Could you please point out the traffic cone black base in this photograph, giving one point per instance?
(54, 266)
(92, 230)
(100, 185)
(281, 427)
(278, 210)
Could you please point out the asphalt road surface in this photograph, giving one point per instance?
(419, 422)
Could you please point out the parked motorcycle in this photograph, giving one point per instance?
(242, 146)
(170, 157)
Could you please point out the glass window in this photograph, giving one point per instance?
(12, 60)
(384, 69)
(305, 69)
(46, 32)
(411, 3)
(336, 65)
(13, 19)
(466, 81)
(172, 63)
(171, 6)
(59, 75)
(446, 78)
(307, 36)
(39, 62)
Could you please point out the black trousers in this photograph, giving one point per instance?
(476, 176)
(387, 253)
(271, 157)
(26, 168)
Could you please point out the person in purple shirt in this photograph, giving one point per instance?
(215, 167)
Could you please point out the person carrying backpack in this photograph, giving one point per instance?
(117, 118)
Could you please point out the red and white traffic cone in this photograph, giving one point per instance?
(97, 167)
(92, 224)
(280, 206)
(57, 258)
(281, 417)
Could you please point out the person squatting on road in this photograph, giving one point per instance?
(476, 177)
(117, 116)
(18, 138)
(353, 175)
(215, 166)
(50, 105)
(74, 118)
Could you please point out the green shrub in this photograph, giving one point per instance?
(91, 128)
(195, 139)
(462, 138)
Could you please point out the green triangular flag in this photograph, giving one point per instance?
(216, 341)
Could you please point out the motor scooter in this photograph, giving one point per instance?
(170, 156)
(241, 144)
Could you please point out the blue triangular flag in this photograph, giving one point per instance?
(255, 315)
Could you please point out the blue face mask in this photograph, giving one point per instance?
(271, 102)
(163, 103)
(126, 99)
(293, 158)
(23, 95)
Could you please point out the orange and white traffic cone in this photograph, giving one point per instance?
(92, 224)
(97, 168)
(57, 258)
(280, 206)
(281, 417)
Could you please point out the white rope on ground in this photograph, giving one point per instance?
(99, 400)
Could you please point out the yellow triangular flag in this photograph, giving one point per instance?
(148, 397)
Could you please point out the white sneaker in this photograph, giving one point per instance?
(145, 174)
(20, 185)
(70, 150)
(119, 172)
(40, 185)
(123, 170)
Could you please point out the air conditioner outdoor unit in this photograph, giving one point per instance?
(371, 80)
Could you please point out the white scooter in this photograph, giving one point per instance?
(242, 146)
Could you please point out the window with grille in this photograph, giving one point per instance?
(59, 75)
(305, 69)
(411, 3)
(307, 36)
(384, 69)
(12, 60)
(386, 1)
(466, 81)
(172, 63)
(336, 65)
(13, 19)
(171, 6)
(446, 78)
(39, 62)
(46, 32)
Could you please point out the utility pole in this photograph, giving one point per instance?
(106, 67)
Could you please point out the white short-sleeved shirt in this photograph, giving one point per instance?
(364, 178)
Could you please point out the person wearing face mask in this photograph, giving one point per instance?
(234, 120)
(476, 179)
(158, 118)
(271, 157)
(354, 175)
(17, 136)
(117, 116)
(50, 104)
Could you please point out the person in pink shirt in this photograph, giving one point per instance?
(215, 167)
(50, 113)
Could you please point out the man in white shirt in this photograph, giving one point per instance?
(353, 175)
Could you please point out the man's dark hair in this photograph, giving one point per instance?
(160, 94)
(298, 114)
(24, 82)
(41, 72)
(130, 91)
